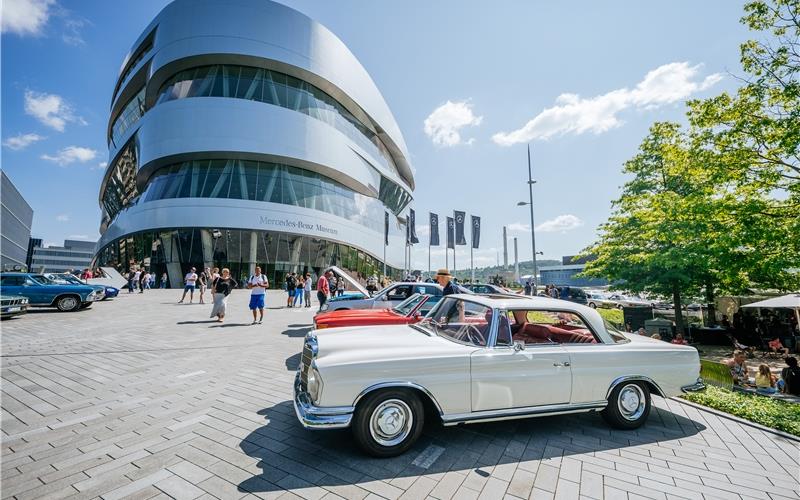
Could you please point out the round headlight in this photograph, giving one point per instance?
(314, 384)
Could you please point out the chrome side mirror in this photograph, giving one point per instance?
(519, 346)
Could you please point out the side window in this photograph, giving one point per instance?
(550, 327)
(462, 321)
(11, 281)
(399, 293)
(504, 330)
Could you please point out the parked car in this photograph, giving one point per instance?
(41, 292)
(384, 299)
(598, 299)
(488, 289)
(570, 293)
(411, 310)
(13, 305)
(619, 300)
(475, 359)
(104, 291)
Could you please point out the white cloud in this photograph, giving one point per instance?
(100, 166)
(518, 227)
(71, 154)
(560, 224)
(25, 17)
(62, 217)
(573, 114)
(445, 122)
(21, 141)
(50, 109)
(72, 31)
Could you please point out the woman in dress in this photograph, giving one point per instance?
(220, 289)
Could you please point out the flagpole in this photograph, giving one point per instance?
(471, 265)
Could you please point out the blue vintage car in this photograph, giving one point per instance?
(42, 292)
(103, 291)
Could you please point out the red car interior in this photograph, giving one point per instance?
(533, 333)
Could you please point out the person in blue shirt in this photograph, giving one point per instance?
(445, 279)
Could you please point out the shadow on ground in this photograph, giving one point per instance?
(287, 452)
(196, 322)
(292, 362)
(296, 332)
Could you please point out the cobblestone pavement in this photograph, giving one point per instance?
(141, 397)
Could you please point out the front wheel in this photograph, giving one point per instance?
(388, 422)
(592, 305)
(68, 303)
(628, 406)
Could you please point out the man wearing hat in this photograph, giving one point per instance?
(444, 278)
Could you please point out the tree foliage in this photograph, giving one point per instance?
(716, 207)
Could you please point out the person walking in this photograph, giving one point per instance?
(142, 281)
(222, 287)
(298, 293)
(131, 280)
(188, 285)
(164, 280)
(307, 290)
(323, 289)
(258, 285)
(148, 278)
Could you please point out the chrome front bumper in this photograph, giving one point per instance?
(315, 417)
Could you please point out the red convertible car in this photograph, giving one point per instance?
(411, 310)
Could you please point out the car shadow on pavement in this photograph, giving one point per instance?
(296, 332)
(290, 456)
(292, 362)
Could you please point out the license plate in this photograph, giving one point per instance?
(14, 309)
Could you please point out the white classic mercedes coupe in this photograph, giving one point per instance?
(477, 359)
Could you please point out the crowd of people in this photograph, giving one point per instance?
(765, 382)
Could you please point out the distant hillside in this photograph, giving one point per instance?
(483, 274)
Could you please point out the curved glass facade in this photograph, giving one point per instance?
(120, 191)
(262, 181)
(129, 115)
(172, 251)
(272, 87)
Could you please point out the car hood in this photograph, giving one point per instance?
(353, 313)
(383, 343)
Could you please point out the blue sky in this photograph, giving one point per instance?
(470, 83)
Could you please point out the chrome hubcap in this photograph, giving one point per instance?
(631, 402)
(391, 422)
(68, 303)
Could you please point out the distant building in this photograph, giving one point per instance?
(75, 255)
(16, 220)
(32, 243)
(565, 274)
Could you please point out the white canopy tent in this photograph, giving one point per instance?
(791, 301)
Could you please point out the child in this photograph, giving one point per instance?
(765, 380)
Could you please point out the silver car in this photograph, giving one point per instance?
(387, 298)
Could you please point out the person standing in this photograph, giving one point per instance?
(164, 280)
(136, 277)
(188, 285)
(340, 286)
(201, 284)
(528, 287)
(307, 290)
(323, 289)
(142, 280)
(258, 285)
(131, 280)
(298, 293)
(222, 287)
(445, 279)
(291, 287)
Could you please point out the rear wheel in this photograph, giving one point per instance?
(388, 422)
(68, 303)
(628, 405)
(592, 305)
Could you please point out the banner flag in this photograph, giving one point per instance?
(460, 216)
(412, 226)
(476, 231)
(434, 229)
(450, 237)
(386, 228)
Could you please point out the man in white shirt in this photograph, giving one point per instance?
(189, 281)
(258, 285)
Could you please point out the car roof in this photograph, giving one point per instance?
(416, 283)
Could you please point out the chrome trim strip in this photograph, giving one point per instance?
(384, 385)
(627, 378)
(315, 417)
(528, 411)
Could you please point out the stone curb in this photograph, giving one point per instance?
(740, 420)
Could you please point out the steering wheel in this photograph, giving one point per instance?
(471, 333)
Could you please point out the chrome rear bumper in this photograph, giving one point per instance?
(697, 386)
(315, 417)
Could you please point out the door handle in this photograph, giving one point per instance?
(565, 363)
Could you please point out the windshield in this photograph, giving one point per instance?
(460, 321)
(64, 278)
(404, 308)
(42, 279)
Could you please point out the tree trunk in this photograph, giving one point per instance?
(676, 304)
(711, 304)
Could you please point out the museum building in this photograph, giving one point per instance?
(245, 133)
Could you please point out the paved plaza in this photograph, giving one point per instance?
(141, 397)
